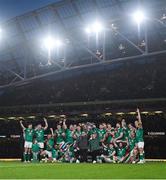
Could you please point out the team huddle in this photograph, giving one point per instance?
(85, 142)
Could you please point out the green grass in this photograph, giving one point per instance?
(18, 170)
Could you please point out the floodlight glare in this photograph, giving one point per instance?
(58, 43)
(51, 43)
(138, 16)
(97, 27)
(88, 30)
(0, 32)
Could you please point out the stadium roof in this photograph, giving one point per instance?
(22, 55)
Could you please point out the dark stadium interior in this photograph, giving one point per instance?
(124, 80)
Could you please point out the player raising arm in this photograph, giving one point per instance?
(28, 137)
(139, 137)
(39, 133)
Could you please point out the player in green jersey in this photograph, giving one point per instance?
(28, 137)
(133, 151)
(69, 133)
(59, 134)
(49, 147)
(77, 132)
(39, 133)
(109, 134)
(139, 137)
(111, 152)
(125, 130)
(118, 132)
(101, 133)
(121, 152)
(35, 150)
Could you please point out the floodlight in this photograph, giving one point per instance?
(49, 42)
(138, 16)
(97, 27)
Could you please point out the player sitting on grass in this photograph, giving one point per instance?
(111, 153)
(121, 152)
(28, 137)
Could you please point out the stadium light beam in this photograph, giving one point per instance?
(51, 43)
(88, 30)
(0, 33)
(138, 16)
(96, 27)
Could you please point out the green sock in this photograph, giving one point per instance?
(25, 156)
(29, 157)
(141, 157)
(54, 154)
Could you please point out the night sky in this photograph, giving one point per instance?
(12, 8)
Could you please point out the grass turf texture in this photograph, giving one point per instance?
(18, 170)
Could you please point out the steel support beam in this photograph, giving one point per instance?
(131, 58)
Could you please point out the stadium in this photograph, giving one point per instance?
(83, 89)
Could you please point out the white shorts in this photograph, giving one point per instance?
(140, 144)
(28, 144)
(41, 145)
(48, 153)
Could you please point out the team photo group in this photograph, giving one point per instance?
(85, 142)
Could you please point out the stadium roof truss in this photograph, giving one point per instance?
(22, 57)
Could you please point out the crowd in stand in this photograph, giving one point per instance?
(85, 142)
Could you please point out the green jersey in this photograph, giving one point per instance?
(92, 131)
(119, 131)
(69, 136)
(121, 152)
(110, 151)
(132, 142)
(78, 133)
(109, 139)
(35, 148)
(125, 133)
(101, 133)
(28, 134)
(59, 137)
(50, 144)
(40, 135)
(139, 135)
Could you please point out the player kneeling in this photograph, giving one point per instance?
(111, 154)
(121, 151)
(49, 148)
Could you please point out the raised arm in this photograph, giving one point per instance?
(139, 116)
(46, 124)
(23, 127)
(52, 132)
(64, 124)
